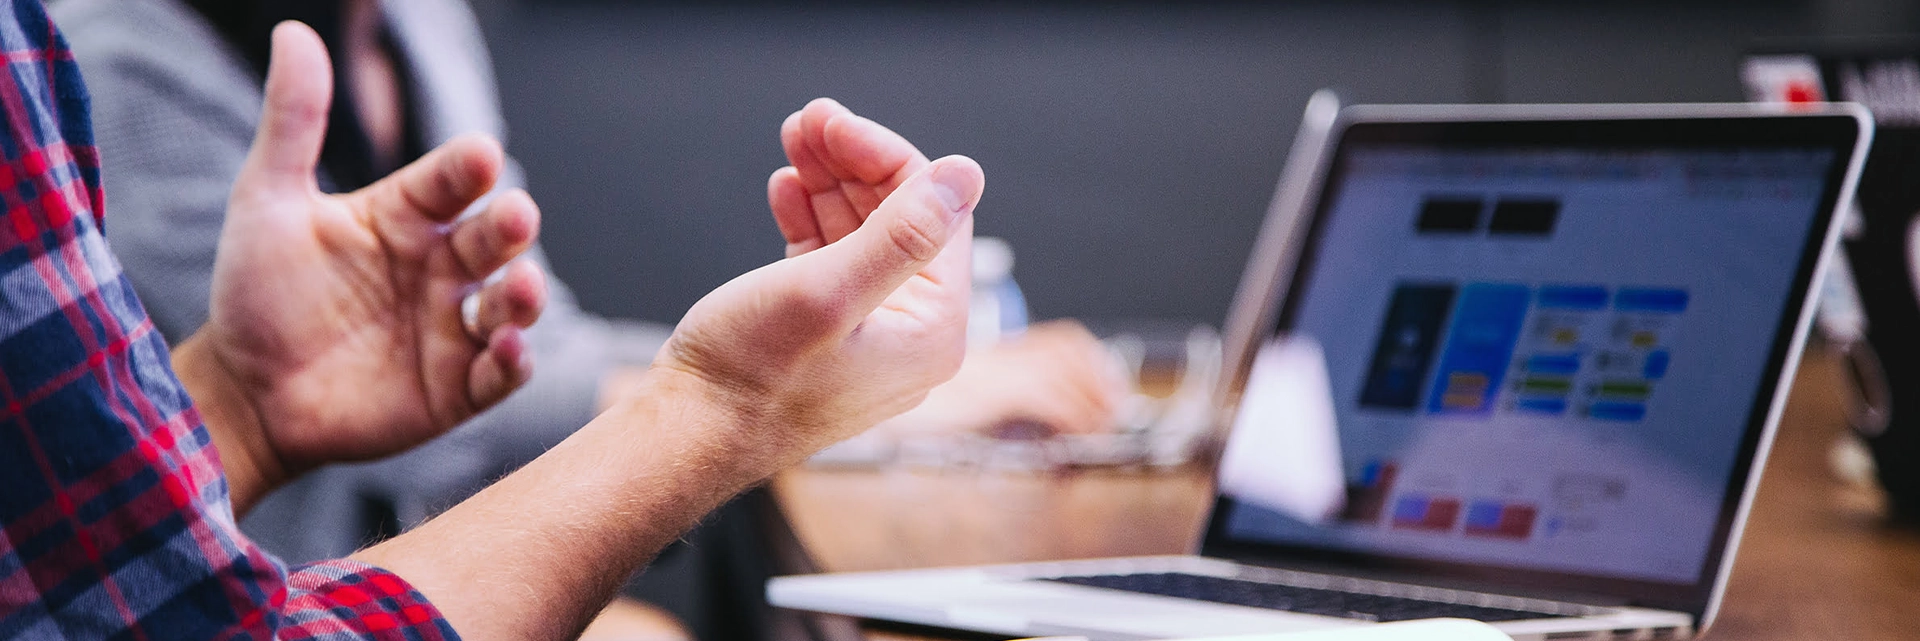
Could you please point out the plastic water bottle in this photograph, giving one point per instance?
(998, 308)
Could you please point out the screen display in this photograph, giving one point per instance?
(1546, 359)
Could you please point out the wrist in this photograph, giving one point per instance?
(711, 425)
(232, 420)
(619, 382)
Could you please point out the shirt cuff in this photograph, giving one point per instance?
(341, 599)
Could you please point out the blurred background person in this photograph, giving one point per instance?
(176, 90)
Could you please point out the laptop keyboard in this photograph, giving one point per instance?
(1351, 605)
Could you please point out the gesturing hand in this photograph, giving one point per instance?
(337, 318)
(868, 311)
(844, 166)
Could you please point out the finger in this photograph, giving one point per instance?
(1051, 402)
(802, 136)
(437, 187)
(1078, 408)
(807, 166)
(930, 214)
(1071, 365)
(1093, 370)
(953, 268)
(833, 213)
(515, 299)
(1094, 407)
(793, 212)
(293, 120)
(1079, 417)
(872, 157)
(848, 163)
(501, 368)
(498, 234)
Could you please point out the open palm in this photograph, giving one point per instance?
(340, 315)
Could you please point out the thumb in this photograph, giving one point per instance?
(907, 233)
(293, 122)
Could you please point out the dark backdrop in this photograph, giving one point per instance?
(1130, 148)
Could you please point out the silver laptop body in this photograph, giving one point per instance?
(1558, 340)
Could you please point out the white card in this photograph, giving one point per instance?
(1284, 451)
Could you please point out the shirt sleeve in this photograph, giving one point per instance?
(353, 600)
(115, 519)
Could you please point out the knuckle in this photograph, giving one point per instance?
(915, 235)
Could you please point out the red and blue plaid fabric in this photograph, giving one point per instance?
(114, 516)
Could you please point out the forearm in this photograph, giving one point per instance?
(538, 553)
(231, 418)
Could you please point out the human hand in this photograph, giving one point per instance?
(1055, 375)
(843, 166)
(865, 315)
(336, 319)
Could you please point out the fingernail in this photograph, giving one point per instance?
(954, 188)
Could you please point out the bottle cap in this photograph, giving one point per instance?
(992, 259)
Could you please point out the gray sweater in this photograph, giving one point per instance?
(174, 109)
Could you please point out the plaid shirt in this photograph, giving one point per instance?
(114, 516)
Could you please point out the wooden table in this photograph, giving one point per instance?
(1815, 564)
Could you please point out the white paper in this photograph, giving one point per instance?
(1284, 451)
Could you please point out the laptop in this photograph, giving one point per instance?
(1557, 340)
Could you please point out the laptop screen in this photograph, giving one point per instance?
(1549, 360)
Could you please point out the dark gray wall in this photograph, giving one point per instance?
(1130, 148)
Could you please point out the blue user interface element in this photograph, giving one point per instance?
(1486, 326)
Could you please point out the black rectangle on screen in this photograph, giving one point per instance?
(1525, 216)
(1450, 214)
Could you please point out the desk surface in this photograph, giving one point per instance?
(1815, 562)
